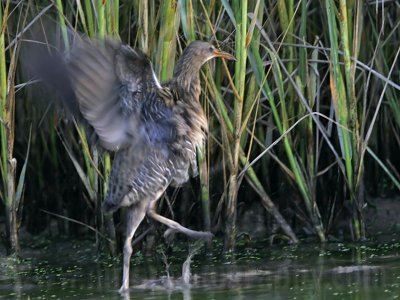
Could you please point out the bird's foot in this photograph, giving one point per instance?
(204, 235)
(123, 290)
(200, 235)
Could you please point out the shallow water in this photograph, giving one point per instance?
(69, 270)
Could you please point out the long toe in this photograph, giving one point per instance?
(201, 235)
(123, 289)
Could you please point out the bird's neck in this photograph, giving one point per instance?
(186, 76)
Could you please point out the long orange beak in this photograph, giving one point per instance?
(219, 53)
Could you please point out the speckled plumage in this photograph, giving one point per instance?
(153, 128)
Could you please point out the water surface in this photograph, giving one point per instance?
(70, 270)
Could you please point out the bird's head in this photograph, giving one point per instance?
(204, 51)
(193, 57)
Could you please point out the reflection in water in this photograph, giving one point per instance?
(334, 271)
(168, 294)
(170, 284)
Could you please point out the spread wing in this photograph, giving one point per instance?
(111, 81)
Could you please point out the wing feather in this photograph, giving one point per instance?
(108, 78)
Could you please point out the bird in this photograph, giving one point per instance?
(153, 128)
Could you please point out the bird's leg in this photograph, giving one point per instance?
(176, 226)
(135, 215)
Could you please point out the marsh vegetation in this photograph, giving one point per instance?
(304, 127)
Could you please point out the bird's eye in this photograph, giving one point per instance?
(211, 49)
